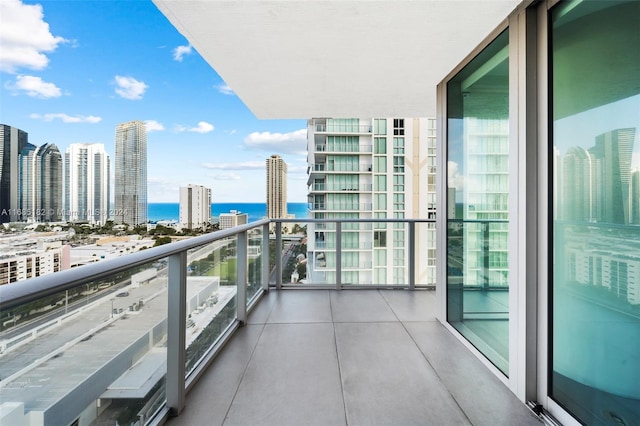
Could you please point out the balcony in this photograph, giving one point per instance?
(323, 168)
(342, 149)
(321, 187)
(351, 357)
(336, 128)
(207, 330)
(365, 207)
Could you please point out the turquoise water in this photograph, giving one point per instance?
(256, 211)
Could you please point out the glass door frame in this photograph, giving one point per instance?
(530, 204)
(528, 176)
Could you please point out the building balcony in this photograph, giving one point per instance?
(340, 207)
(324, 188)
(346, 149)
(342, 129)
(351, 357)
(204, 331)
(323, 168)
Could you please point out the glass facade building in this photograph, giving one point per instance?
(12, 142)
(130, 187)
(40, 188)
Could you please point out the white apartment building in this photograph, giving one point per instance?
(382, 168)
(232, 219)
(195, 206)
(87, 178)
(33, 261)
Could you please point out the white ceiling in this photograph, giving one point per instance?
(331, 58)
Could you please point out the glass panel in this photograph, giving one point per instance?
(595, 337)
(254, 251)
(96, 351)
(363, 254)
(426, 254)
(211, 296)
(477, 211)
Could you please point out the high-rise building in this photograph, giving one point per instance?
(612, 153)
(131, 173)
(634, 199)
(40, 191)
(276, 187)
(578, 185)
(382, 168)
(12, 142)
(485, 199)
(87, 173)
(195, 206)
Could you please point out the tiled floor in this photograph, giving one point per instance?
(351, 357)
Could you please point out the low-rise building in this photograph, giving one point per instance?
(232, 219)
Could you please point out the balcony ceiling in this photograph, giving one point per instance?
(335, 58)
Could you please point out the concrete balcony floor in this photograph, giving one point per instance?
(350, 357)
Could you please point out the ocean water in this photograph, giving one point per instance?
(256, 211)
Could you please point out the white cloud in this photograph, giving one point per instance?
(25, 37)
(153, 126)
(226, 176)
(162, 190)
(34, 86)
(245, 165)
(455, 179)
(65, 118)
(129, 87)
(225, 89)
(287, 143)
(291, 169)
(180, 51)
(202, 127)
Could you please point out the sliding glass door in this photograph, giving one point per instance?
(595, 156)
(477, 197)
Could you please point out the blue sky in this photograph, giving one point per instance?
(72, 70)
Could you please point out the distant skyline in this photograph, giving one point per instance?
(70, 71)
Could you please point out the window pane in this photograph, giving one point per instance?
(478, 184)
(595, 335)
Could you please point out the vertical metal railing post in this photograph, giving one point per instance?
(241, 277)
(278, 255)
(412, 255)
(266, 276)
(485, 252)
(338, 255)
(176, 331)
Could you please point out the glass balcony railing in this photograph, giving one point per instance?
(321, 187)
(341, 206)
(344, 148)
(343, 128)
(343, 168)
(121, 340)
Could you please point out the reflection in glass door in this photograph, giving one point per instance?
(595, 342)
(477, 194)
